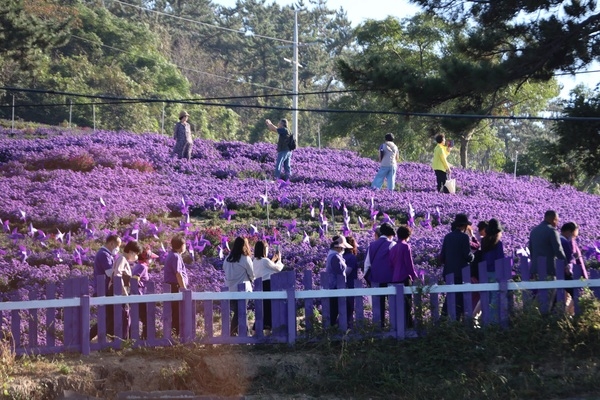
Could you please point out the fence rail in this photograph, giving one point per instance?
(49, 325)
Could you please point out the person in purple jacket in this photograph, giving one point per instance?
(378, 267)
(175, 274)
(103, 266)
(403, 268)
(335, 265)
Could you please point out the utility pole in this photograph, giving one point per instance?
(295, 66)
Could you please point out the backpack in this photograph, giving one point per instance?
(292, 143)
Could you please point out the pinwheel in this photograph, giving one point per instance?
(60, 237)
(227, 214)
(6, 226)
(282, 185)
(361, 224)
(23, 215)
(312, 211)
(305, 238)
(388, 219)
(321, 232)
(185, 224)
(153, 230)
(217, 202)
(300, 202)
(264, 200)
(84, 222)
(58, 255)
(102, 204)
(322, 205)
(411, 216)
(374, 214)
(253, 230)
(200, 243)
(372, 203)
(283, 200)
(438, 216)
(32, 230)
(426, 223)
(291, 226)
(224, 243)
(337, 203)
(185, 206)
(346, 231)
(15, 235)
(23, 252)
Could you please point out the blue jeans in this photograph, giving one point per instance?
(387, 173)
(283, 159)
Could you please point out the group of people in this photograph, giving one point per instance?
(388, 157)
(388, 261)
(184, 143)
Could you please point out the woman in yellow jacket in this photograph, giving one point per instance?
(440, 164)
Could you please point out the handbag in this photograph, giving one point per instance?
(451, 185)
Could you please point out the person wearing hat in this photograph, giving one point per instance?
(183, 137)
(492, 249)
(336, 266)
(455, 255)
(378, 265)
(388, 159)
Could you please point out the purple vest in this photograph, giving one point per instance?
(381, 266)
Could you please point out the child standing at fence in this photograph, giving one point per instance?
(175, 275)
(403, 268)
(140, 275)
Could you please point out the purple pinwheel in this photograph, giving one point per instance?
(23, 215)
(253, 230)
(346, 231)
(426, 223)
(264, 199)
(84, 223)
(190, 249)
(162, 253)
(15, 235)
(306, 238)
(522, 252)
(322, 205)
(102, 204)
(221, 252)
(283, 184)
(58, 255)
(224, 243)
(388, 219)
(344, 211)
(284, 200)
(217, 202)
(438, 216)
(227, 214)
(135, 231)
(77, 257)
(32, 230)
(337, 203)
(23, 252)
(185, 224)
(89, 233)
(372, 203)
(300, 201)
(185, 206)
(321, 232)
(6, 226)
(200, 243)
(291, 226)
(411, 216)
(154, 231)
(374, 214)
(361, 224)
(322, 219)
(60, 237)
(312, 211)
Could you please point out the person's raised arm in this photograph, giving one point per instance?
(270, 126)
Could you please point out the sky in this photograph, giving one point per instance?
(360, 10)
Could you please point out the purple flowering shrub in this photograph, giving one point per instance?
(62, 193)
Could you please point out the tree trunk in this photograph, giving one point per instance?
(464, 147)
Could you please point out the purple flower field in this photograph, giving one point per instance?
(62, 192)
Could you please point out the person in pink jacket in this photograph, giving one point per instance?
(403, 268)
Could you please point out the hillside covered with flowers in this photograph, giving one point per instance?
(61, 193)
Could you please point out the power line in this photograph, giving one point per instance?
(314, 110)
(204, 23)
(180, 67)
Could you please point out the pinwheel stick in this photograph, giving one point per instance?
(332, 218)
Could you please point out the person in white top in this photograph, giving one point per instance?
(388, 157)
(122, 268)
(238, 269)
(264, 268)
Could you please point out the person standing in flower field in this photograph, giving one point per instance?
(440, 164)
(544, 241)
(284, 153)
(183, 137)
(388, 157)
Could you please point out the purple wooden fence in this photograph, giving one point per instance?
(50, 325)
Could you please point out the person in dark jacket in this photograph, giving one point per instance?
(455, 255)
(544, 241)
